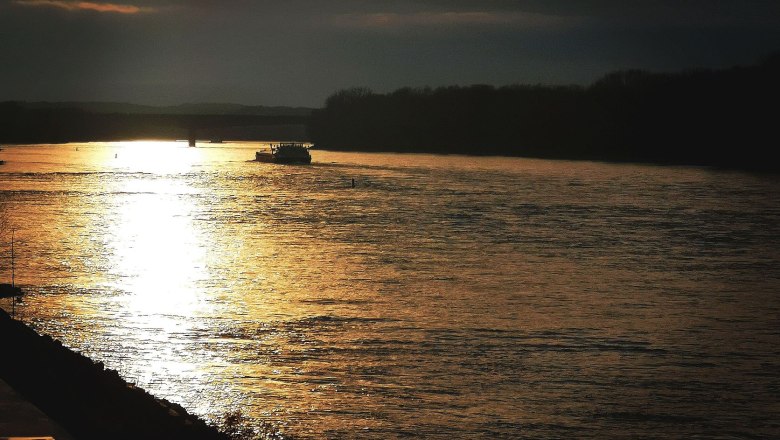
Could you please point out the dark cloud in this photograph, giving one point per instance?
(296, 52)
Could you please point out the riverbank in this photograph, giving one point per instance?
(86, 399)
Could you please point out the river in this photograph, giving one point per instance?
(441, 297)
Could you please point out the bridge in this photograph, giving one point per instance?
(197, 126)
(78, 126)
(212, 125)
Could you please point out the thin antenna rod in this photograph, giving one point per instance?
(13, 272)
(13, 278)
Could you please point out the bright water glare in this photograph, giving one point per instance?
(442, 297)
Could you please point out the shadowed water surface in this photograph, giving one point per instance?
(443, 297)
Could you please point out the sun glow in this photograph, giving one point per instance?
(159, 253)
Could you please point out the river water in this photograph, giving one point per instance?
(442, 297)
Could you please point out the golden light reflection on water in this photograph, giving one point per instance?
(158, 257)
(156, 250)
(152, 157)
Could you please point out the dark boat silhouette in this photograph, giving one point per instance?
(10, 291)
(286, 152)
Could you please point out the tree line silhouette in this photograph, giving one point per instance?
(702, 117)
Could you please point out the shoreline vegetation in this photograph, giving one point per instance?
(719, 118)
(94, 402)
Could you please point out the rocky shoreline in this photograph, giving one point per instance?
(87, 399)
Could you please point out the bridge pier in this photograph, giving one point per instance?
(191, 138)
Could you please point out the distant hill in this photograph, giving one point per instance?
(181, 109)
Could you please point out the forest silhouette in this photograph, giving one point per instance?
(721, 118)
(698, 117)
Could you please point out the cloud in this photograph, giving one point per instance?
(395, 20)
(645, 13)
(86, 6)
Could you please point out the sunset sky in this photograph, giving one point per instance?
(297, 52)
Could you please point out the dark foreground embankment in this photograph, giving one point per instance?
(91, 402)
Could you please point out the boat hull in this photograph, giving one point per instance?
(283, 160)
(264, 157)
(292, 160)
